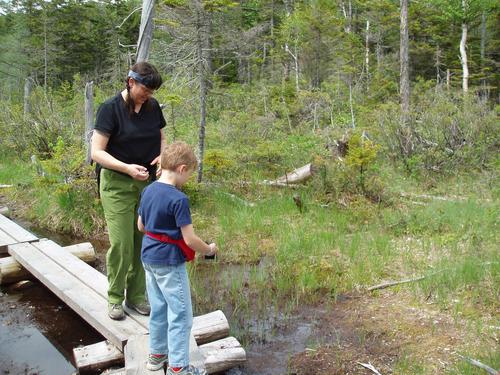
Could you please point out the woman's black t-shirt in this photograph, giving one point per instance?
(132, 139)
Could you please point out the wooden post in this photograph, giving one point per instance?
(145, 30)
(89, 117)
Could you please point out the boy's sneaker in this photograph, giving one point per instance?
(189, 370)
(156, 361)
(115, 311)
(142, 308)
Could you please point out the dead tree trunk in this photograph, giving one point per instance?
(201, 41)
(28, 87)
(404, 84)
(463, 52)
(145, 31)
(463, 58)
(367, 54)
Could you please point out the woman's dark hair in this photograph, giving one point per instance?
(148, 76)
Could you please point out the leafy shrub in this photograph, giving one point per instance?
(217, 164)
(446, 133)
(354, 175)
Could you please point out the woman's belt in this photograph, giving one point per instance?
(186, 250)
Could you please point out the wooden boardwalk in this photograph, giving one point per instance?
(84, 289)
(11, 233)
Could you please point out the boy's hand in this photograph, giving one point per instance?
(213, 249)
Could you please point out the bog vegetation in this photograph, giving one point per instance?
(287, 83)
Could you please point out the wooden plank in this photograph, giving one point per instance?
(16, 231)
(84, 272)
(136, 354)
(223, 354)
(5, 240)
(76, 294)
(97, 357)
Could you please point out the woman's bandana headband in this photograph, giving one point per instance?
(141, 79)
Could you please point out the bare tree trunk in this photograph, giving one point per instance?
(45, 54)
(28, 87)
(463, 52)
(201, 34)
(438, 64)
(448, 79)
(367, 54)
(351, 104)
(89, 117)
(145, 31)
(378, 50)
(404, 82)
(463, 58)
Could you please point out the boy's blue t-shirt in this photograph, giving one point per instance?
(163, 210)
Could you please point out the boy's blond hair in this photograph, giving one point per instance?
(176, 154)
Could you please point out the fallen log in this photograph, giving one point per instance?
(11, 270)
(219, 356)
(223, 354)
(297, 175)
(208, 327)
(392, 283)
(476, 363)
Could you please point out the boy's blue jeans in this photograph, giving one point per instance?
(171, 315)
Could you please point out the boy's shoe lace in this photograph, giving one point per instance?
(189, 370)
(156, 361)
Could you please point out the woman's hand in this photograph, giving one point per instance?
(156, 161)
(137, 172)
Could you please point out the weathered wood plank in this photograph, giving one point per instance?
(223, 354)
(5, 240)
(97, 357)
(12, 272)
(16, 231)
(76, 294)
(87, 274)
(136, 353)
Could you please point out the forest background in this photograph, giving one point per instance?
(266, 86)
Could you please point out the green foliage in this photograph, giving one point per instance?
(216, 164)
(361, 156)
(341, 179)
(446, 133)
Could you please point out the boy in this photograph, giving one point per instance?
(169, 241)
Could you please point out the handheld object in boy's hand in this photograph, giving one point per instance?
(212, 256)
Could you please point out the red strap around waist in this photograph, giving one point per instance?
(186, 250)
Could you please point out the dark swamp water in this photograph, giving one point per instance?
(38, 331)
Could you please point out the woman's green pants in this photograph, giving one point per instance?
(120, 196)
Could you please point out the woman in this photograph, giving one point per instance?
(127, 144)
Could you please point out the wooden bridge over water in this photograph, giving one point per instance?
(84, 289)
